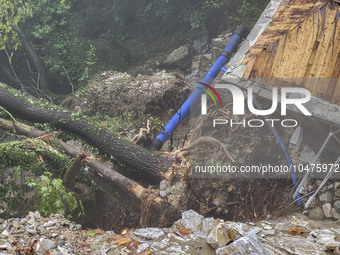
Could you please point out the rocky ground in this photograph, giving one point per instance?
(192, 234)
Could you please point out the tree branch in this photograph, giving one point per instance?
(125, 152)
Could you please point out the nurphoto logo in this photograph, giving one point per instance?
(239, 105)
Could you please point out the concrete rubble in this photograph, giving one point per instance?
(192, 234)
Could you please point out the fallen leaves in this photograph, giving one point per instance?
(185, 232)
(123, 240)
(129, 243)
(297, 231)
(83, 244)
(97, 231)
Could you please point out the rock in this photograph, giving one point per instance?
(31, 215)
(205, 62)
(149, 233)
(207, 225)
(46, 244)
(16, 225)
(50, 223)
(220, 236)
(4, 245)
(159, 245)
(266, 226)
(337, 205)
(5, 233)
(201, 43)
(179, 58)
(191, 219)
(337, 186)
(322, 236)
(165, 247)
(3, 227)
(142, 247)
(335, 214)
(297, 245)
(247, 245)
(326, 197)
(42, 230)
(163, 188)
(62, 250)
(316, 213)
(327, 208)
(332, 247)
(31, 221)
(32, 229)
(37, 215)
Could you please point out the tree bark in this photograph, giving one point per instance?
(97, 168)
(72, 171)
(125, 152)
(35, 59)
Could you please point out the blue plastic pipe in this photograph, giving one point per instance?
(285, 152)
(287, 156)
(157, 143)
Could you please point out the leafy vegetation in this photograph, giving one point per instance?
(51, 197)
(11, 13)
(22, 161)
(75, 38)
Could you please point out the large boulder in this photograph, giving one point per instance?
(180, 58)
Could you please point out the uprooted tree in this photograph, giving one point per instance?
(123, 151)
(126, 154)
(220, 197)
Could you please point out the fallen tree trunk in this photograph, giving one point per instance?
(106, 173)
(96, 168)
(127, 153)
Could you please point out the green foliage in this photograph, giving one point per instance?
(249, 11)
(20, 162)
(90, 60)
(54, 38)
(83, 36)
(91, 234)
(11, 13)
(52, 197)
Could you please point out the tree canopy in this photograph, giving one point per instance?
(12, 12)
(74, 38)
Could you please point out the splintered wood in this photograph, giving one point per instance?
(303, 41)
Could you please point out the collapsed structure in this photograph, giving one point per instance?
(297, 44)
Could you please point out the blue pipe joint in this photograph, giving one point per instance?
(157, 143)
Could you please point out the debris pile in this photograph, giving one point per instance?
(114, 93)
(192, 234)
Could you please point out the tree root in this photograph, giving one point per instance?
(203, 139)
